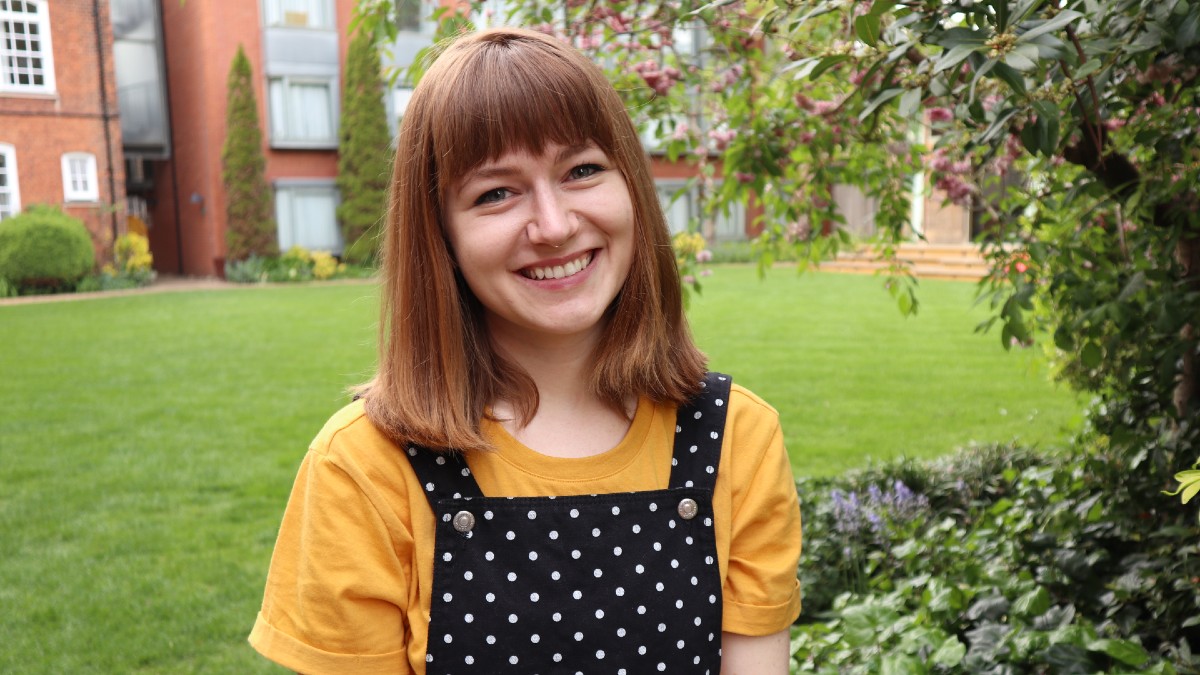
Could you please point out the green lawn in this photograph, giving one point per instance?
(148, 443)
(854, 379)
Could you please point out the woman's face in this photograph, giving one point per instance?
(545, 241)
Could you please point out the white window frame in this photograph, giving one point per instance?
(80, 187)
(286, 190)
(277, 17)
(13, 189)
(40, 19)
(281, 113)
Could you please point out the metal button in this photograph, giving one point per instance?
(464, 521)
(688, 509)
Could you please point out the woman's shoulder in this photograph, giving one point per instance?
(743, 400)
(349, 434)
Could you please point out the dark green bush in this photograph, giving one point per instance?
(44, 249)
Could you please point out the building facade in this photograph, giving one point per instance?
(60, 139)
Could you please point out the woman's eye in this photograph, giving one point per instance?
(585, 171)
(492, 196)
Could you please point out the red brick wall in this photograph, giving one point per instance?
(42, 127)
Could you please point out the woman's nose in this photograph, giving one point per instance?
(553, 222)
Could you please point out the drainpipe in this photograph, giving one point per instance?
(105, 115)
(170, 161)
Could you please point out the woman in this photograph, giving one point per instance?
(540, 477)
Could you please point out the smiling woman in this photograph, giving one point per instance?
(540, 477)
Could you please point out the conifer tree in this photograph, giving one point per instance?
(363, 151)
(250, 223)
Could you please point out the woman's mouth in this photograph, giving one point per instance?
(563, 271)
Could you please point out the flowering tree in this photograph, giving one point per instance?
(1068, 125)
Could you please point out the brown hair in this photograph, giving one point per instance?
(489, 93)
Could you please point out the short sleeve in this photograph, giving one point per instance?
(337, 589)
(762, 592)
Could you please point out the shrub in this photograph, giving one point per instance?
(132, 252)
(363, 165)
(250, 225)
(44, 249)
(296, 264)
(997, 559)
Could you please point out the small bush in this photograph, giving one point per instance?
(45, 250)
(296, 264)
(252, 270)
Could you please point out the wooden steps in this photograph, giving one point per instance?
(959, 262)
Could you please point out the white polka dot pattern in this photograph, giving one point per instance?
(601, 583)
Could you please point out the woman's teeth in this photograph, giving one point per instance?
(559, 271)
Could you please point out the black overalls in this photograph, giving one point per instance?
(612, 583)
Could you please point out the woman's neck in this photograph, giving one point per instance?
(571, 420)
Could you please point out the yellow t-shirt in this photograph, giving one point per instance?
(351, 578)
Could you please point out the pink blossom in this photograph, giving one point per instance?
(722, 137)
(704, 256)
(824, 107)
(744, 177)
(705, 272)
(681, 132)
(957, 190)
(689, 279)
(807, 136)
(940, 115)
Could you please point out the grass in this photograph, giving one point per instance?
(148, 443)
(854, 380)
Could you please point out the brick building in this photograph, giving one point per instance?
(60, 141)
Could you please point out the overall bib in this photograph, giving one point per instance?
(611, 583)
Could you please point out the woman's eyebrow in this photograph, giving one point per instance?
(490, 171)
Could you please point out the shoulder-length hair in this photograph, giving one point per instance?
(489, 93)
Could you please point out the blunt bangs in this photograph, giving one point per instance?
(503, 92)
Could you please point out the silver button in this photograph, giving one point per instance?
(464, 521)
(688, 509)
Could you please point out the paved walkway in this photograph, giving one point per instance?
(163, 284)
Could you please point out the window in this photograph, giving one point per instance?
(306, 212)
(683, 211)
(300, 13)
(79, 177)
(302, 112)
(10, 194)
(398, 104)
(26, 61)
(408, 15)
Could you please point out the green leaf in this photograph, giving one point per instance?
(878, 100)
(904, 301)
(1009, 75)
(882, 7)
(1050, 25)
(959, 36)
(1125, 651)
(866, 28)
(1091, 67)
(950, 653)
(1034, 603)
(910, 101)
(1001, 7)
(1048, 123)
(955, 55)
(1189, 29)
(1091, 355)
(827, 63)
(1022, 57)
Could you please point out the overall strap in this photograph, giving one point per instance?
(699, 431)
(444, 475)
